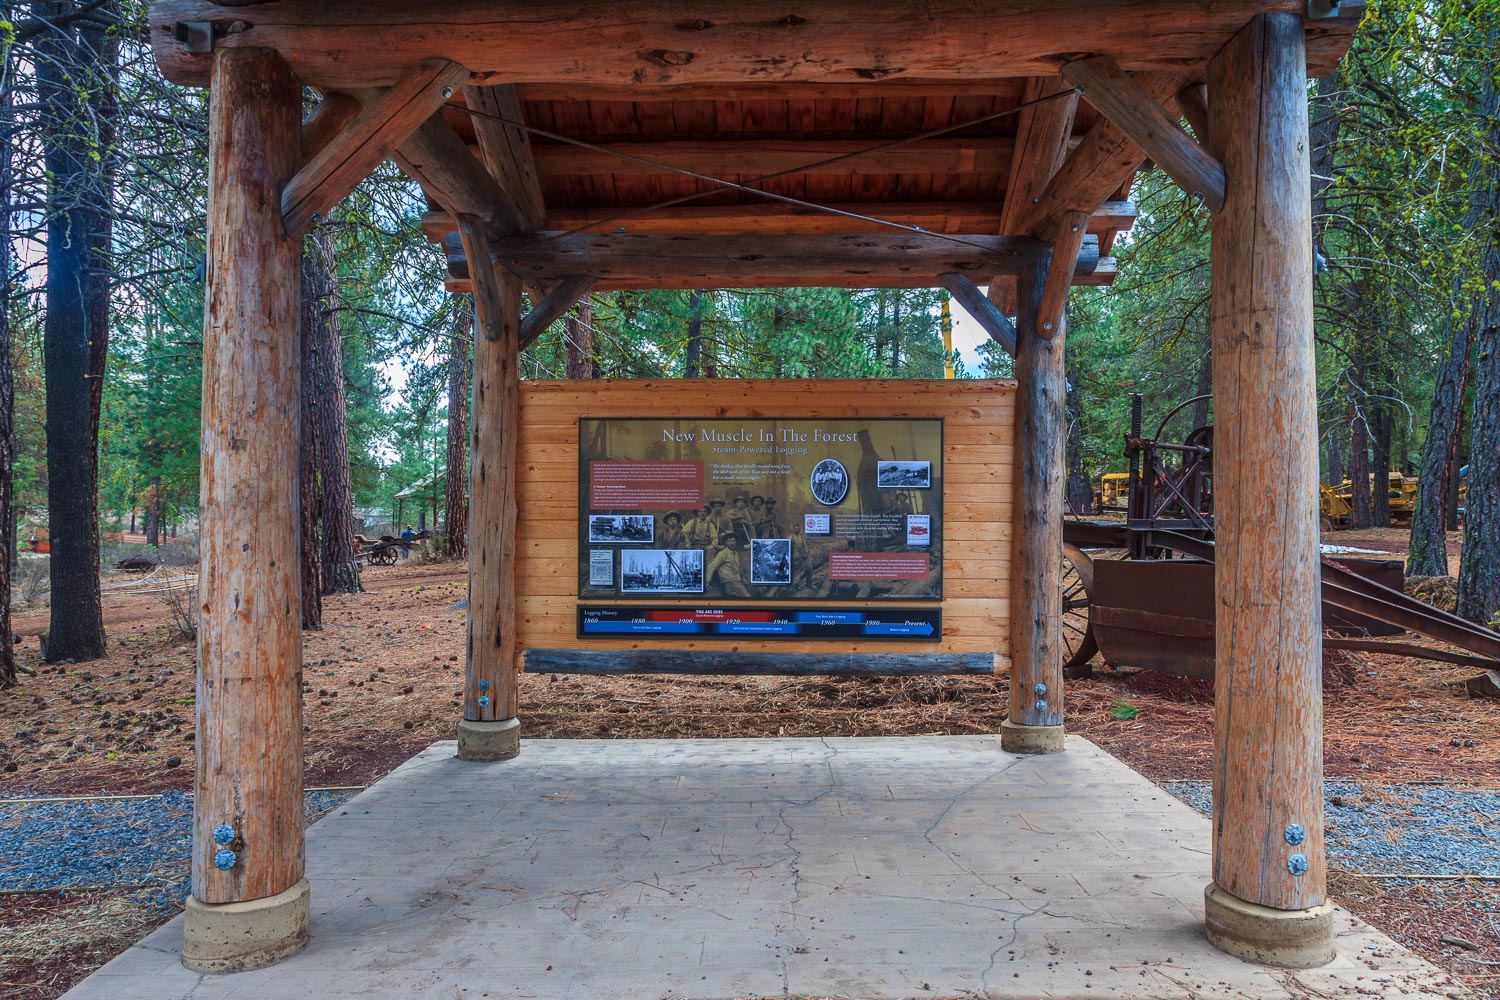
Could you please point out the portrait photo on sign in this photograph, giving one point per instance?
(661, 571)
(830, 482)
(771, 560)
(903, 475)
(622, 528)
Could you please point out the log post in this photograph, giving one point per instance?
(1035, 724)
(489, 729)
(249, 904)
(1267, 902)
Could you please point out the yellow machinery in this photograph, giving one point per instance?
(1113, 488)
(1335, 503)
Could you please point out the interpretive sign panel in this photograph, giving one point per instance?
(617, 620)
(787, 510)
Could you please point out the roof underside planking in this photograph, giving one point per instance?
(739, 91)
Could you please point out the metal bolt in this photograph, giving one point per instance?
(1294, 834)
(224, 835)
(1296, 864)
(1041, 704)
(1075, 229)
(1040, 690)
(484, 685)
(484, 701)
(225, 860)
(447, 92)
(1047, 326)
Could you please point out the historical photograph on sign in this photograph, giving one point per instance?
(661, 571)
(904, 475)
(796, 508)
(622, 528)
(830, 482)
(771, 560)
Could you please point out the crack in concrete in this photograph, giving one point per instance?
(794, 859)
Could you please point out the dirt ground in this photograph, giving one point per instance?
(382, 680)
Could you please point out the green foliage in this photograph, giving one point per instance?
(1122, 711)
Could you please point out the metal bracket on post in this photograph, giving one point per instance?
(1319, 9)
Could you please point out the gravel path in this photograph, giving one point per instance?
(142, 844)
(1405, 829)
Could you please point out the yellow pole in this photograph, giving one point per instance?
(947, 339)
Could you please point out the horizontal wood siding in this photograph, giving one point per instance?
(977, 513)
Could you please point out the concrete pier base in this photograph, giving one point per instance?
(489, 740)
(238, 937)
(1290, 939)
(1016, 738)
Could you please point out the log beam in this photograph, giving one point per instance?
(621, 260)
(247, 803)
(507, 150)
(768, 217)
(1125, 103)
(339, 44)
(1035, 722)
(1044, 136)
(387, 118)
(1267, 902)
(985, 312)
(1060, 273)
(558, 300)
(489, 729)
(1192, 101)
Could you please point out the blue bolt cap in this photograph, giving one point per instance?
(484, 685)
(1040, 690)
(1296, 864)
(223, 835)
(1294, 834)
(1041, 705)
(484, 701)
(225, 860)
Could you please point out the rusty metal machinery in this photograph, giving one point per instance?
(1141, 593)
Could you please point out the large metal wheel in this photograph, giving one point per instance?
(383, 555)
(1078, 642)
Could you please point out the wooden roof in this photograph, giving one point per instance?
(739, 91)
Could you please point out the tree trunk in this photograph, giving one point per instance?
(896, 335)
(153, 512)
(1380, 463)
(1336, 468)
(76, 631)
(1437, 482)
(456, 479)
(326, 375)
(1479, 568)
(309, 546)
(7, 386)
(1079, 494)
(578, 326)
(1361, 513)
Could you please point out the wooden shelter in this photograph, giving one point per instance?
(677, 144)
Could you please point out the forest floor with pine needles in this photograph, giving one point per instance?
(383, 679)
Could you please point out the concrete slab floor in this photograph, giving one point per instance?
(901, 867)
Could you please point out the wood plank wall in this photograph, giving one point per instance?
(977, 511)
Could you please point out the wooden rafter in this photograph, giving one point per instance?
(1095, 170)
(507, 150)
(757, 157)
(1141, 117)
(340, 44)
(1192, 101)
(438, 160)
(387, 119)
(326, 122)
(1043, 139)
